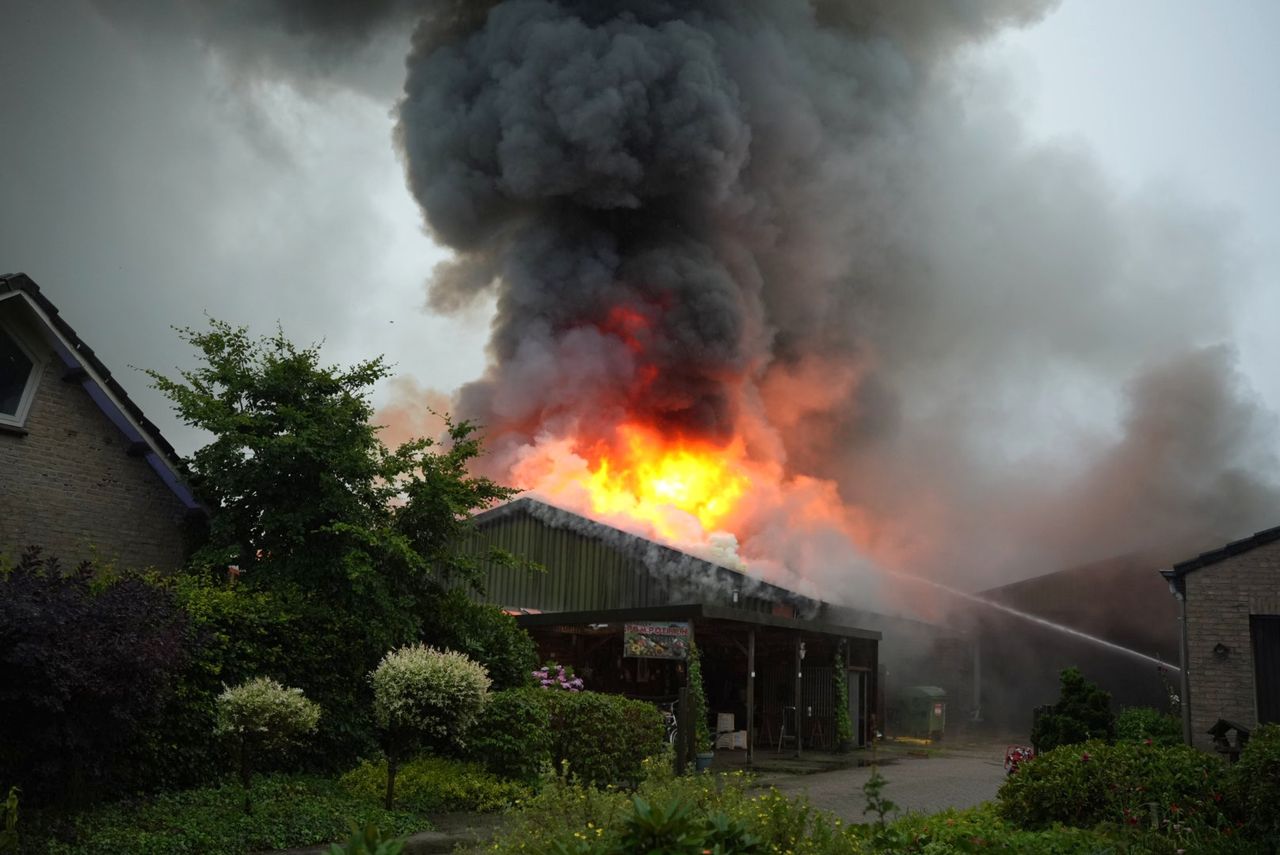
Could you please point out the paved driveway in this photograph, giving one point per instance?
(919, 784)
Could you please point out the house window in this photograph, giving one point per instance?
(17, 379)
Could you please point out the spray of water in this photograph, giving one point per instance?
(1057, 627)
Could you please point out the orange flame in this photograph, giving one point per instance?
(645, 477)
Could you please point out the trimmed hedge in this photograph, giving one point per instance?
(512, 736)
(604, 739)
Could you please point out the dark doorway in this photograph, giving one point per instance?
(1266, 663)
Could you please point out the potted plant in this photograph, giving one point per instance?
(704, 749)
(844, 725)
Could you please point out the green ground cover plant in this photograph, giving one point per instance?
(428, 784)
(288, 811)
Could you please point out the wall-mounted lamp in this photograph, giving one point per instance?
(735, 595)
(1220, 650)
(802, 650)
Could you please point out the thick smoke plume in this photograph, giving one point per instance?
(786, 224)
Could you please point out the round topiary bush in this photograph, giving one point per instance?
(260, 716)
(425, 696)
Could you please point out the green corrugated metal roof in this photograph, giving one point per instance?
(589, 565)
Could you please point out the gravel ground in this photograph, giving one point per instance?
(924, 784)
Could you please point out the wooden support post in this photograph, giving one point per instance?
(751, 696)
(799, 698)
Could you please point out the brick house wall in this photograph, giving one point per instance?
(1220, 598)
(69, 486)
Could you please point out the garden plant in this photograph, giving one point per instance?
(261, 717)
(425, 697)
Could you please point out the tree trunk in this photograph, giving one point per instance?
(391, 778)
(245, 774)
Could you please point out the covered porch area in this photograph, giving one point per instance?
(769, 679)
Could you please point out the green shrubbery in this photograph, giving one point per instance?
(512, 736)
(427, 784)
(603, 738)
(1139, 724)
(983, 829)
(288, 811)
(724, 814)
(1094, 782)
(1082, 712)
(1255, 784)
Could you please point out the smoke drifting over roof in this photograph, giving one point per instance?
(783, 221)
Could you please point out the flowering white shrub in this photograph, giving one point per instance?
(266, 713)
(428, 693)
(262, 715)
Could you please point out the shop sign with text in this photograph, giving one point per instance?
(656, 640)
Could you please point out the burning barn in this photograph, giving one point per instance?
(621, 610)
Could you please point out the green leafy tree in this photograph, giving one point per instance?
(357, 542)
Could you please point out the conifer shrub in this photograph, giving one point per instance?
(1082, 712)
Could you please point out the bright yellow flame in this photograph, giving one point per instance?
(646, 478)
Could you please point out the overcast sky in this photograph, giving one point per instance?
(146, 181)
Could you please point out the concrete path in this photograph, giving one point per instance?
(923, 784)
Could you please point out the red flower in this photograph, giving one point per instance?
(1085, 757)
(1173, 808)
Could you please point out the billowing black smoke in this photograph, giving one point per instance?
(789, 221)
